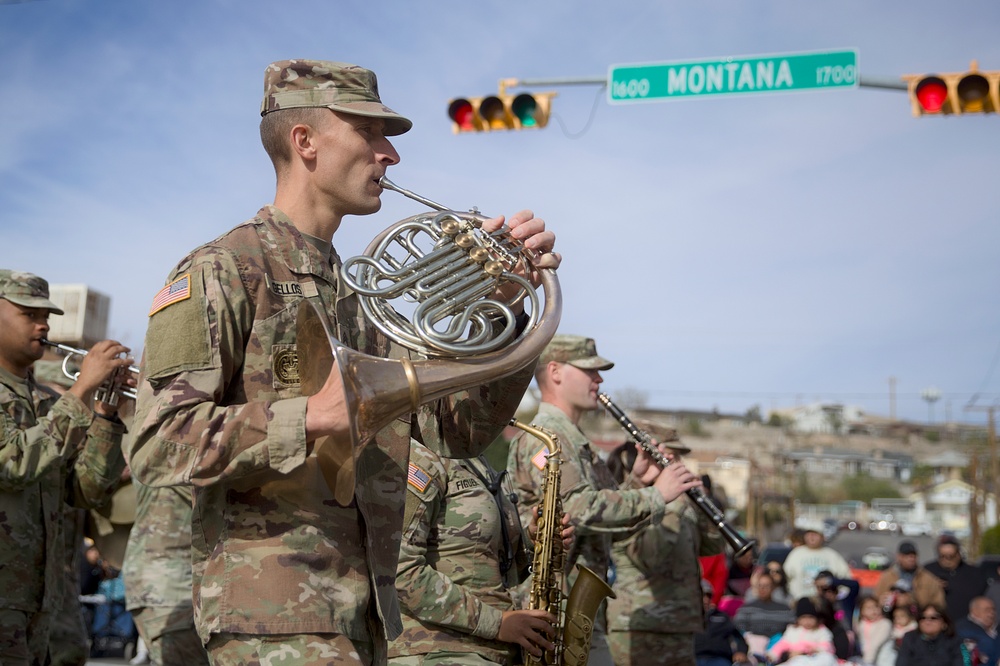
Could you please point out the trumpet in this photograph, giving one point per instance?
(700, 499)
(112, 390)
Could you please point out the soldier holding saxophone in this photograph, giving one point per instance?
(568, 377)
(463, 551)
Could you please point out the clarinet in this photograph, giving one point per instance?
(697, 495)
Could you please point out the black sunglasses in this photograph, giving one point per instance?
(930, 617)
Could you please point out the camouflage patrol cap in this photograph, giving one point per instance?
(27, 290)
(664, 435)
(292, 84)
(578, 351)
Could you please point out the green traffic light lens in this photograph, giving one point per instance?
(524, 108)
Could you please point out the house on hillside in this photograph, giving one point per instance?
(835, 462)
(730, 479)
(947, 465)
(946, 505)
(818, 417)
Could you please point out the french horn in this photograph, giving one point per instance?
(445, 268)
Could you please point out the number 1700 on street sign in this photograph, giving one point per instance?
(732, 75)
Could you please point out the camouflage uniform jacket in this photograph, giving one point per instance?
(157, 567)
(596, 507)
(449, 581)
(220, 408)
(657, 575)
(53, 452)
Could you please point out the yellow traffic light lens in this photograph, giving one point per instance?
(492, 111)
(973, 91)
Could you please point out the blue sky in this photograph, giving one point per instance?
(763, 249)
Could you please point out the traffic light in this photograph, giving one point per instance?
(955, 93)
(500, 112)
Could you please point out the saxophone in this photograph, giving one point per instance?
(575, 625)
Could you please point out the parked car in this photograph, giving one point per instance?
(849, 524)
(916, 528)
(773, 552)
(883, 525)
(876, 558)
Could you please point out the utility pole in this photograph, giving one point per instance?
(974, 508)
(753, 502)
(892, 398)
(991, 442)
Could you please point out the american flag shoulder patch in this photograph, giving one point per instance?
(540, 458)
(418, 478)
(176, 291)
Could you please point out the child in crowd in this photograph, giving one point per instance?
(871, 629)
(807, 642)
(903, 621)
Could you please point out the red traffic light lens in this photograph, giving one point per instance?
(461, 112)
(524, 108)
(932, 93)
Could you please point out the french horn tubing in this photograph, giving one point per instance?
(443, 266)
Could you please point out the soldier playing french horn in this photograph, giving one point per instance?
(295, 540)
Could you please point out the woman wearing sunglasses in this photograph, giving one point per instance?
(933, 642)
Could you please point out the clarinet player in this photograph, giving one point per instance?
(568, 377)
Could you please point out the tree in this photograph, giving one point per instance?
(865, 488)
(805, 490)
(631, 399)
(991, 541)
(753, 414)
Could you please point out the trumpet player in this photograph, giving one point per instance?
(54, 450)
(282, 560)
(568, 375)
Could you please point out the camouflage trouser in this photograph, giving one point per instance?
(68, 637)
(170, 635)
(642, 648)
(288, 650)
(445, 659)
(24, 637)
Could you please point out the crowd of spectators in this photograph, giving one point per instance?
(808, 611)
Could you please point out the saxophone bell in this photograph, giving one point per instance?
(575, 623)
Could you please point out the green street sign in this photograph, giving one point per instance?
(654, 82)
